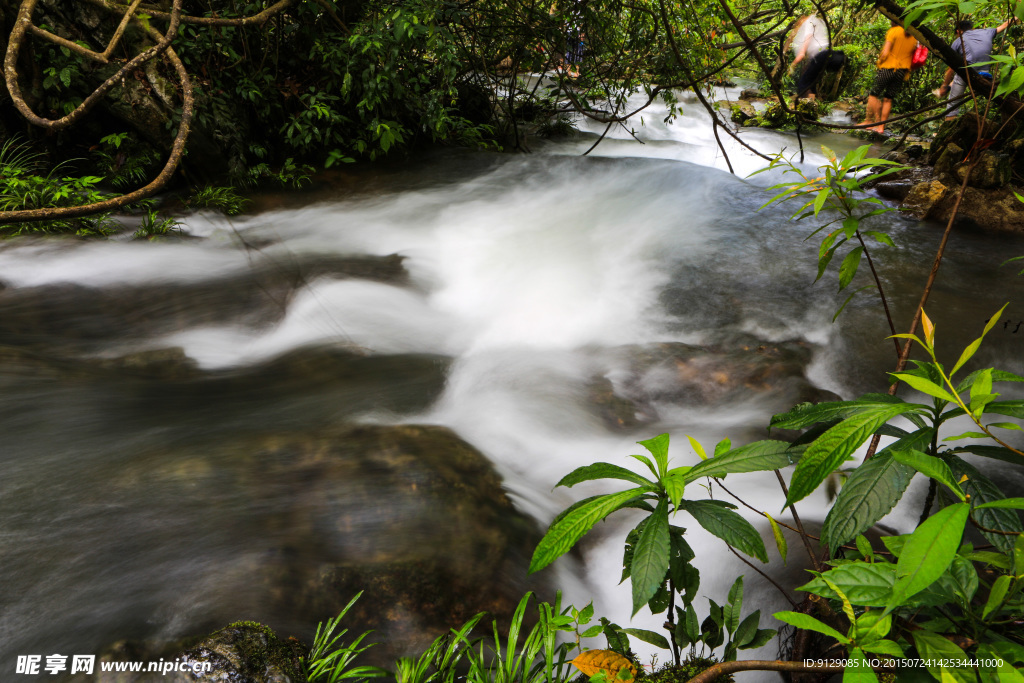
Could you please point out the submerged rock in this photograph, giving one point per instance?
(673, 373)
(88, 319)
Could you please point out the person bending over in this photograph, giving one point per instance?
(974, 45)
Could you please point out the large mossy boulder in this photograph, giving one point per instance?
(242, 652)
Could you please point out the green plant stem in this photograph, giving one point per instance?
(763, 575)
(881, 292)
(799, 524)
(933, 488)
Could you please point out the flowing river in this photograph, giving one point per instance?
(548, 309)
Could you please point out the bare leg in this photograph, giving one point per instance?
(886, 108)
(872, 111)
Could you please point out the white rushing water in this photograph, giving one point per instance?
(530, 272)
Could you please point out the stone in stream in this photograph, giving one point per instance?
(242, 651)
(78, 318)
(411, 515)
(683, 374)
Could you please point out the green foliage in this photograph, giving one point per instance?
(153, 226)
(224, 199)
(657, 558)
(25, 185)
(330, 661)
(838, 192)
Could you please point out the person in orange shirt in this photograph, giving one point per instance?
(893, 71)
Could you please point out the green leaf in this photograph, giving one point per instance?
(760, 638)
(819, 201)
(809, 623)
(602, 470)
(758, 456)
(650, 637)
(881, 237)
(924, 386)
(865, 584)
(833, 447)
(928, 552)
(728, 526)
(849, 267)
(1005, 503)
(967, 354)
(747, 629)
(698, 449)
(982, 490)
(723, 447)
(807, 414)
(996, 595)
(885, 647)
(658, 447)
(1013, 408)
(566, 531)
(870, 493)
(651, 557)
(780, 539)
(854, 293)
(934, 649)
(988, 557)
(930, 466)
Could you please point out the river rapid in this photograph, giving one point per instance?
(545, 308)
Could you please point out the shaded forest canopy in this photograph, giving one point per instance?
(240, 92)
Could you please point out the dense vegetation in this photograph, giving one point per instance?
(305, 85)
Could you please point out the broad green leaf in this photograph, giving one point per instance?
(885, 647)
(982, 490)
(602, 470)
(930, 466)
(809, 623)
(819, 201)
(566, 531)
(697, 447)
(760, 638)
(658, 447)
(807, 414)
(997, 376)
(647, 461)
(1003, 672)
(996, 595)
(650, 557)
(981, 390)
(754, 457)
(967, 354)
(870, 493)
(833, 447)
(1013, 408)
(880, 237)
(728, 526)
(929, 551)
(780, 539)
(747, 629)
(849, 267)
(655, 639)
(865, 584)
(924, 386)
(988, 557)
(934, 649)
(675, 486)
(1005, 503)
(872, 626)
(723, 447)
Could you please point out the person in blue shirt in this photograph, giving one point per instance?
(975, 45)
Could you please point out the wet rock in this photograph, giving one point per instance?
(243, 651)
(742, 368)
(961, 131)
(994, 211)
(991, 171)
(70, 317)
(750, 94)
(898, 185)
(412, 515)
(923, 198)
(741, 113)
(948, 160)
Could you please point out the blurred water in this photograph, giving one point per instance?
(528, 274)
